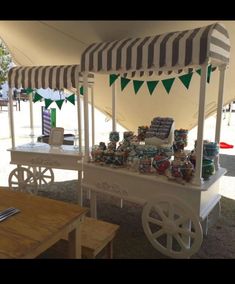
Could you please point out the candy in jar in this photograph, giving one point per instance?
(145, 166)
(161, 164)
(114, 136)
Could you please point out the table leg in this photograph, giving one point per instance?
(93, 205)
(80, 193)
(74, 240)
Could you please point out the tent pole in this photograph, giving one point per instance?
(92, 116)
(79, 132)
(11, 117)
(201, 116)
(31, 114)
(219, 110)
(86, 115)
(114, 106)
(79, 116)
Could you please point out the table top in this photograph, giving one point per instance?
(40, 222)
(44, 148)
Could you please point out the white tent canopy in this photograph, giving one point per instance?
(42, 43)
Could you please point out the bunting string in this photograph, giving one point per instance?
(167, 83)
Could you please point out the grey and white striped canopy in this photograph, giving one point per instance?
(160, 53)
(53, 77)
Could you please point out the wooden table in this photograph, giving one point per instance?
(40, 224)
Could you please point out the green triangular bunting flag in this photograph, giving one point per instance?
(37, 97)
(209, 70)
(81, 90)
(29, 90)
(151, 86)
(71, 99)
(112, 79)
(137, 85)
(47, 103)
(124, 82)
(167, 83)
(199, 71)
(186, 79)
(59, 103)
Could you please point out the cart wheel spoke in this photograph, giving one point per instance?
(158, 233)
(180, 242)
(181, 220)
(169, 241)
(186, 232)
(155, 221)
(160, 212)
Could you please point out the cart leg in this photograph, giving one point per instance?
(79, 194)
(204, 224)
(93, 204)
(215, 214)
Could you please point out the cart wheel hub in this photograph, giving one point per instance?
(169, 227)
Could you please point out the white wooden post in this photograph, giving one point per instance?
(31, 114)
(11, 117)
(114, 106)
(92, 116)
(201, 116)
(79, 116)
(86, 115)
(80, 193)
(219, 110)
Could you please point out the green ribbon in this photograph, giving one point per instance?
(48, 102)
(151, 86)
(167, 83)
(199, 71)
(209, 70)
(137, 85)
(81, 90)
(112, 79)
(124, 82)
(186, 79)
(37, 98)
(59, 103)
(71, 99)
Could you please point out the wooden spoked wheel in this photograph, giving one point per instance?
(172, 227)
(44, 176)
(22, 179)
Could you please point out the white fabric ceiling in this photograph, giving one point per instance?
(62, 42)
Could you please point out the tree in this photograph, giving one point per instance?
(5, 62)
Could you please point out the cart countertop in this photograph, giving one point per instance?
(158, 178)
(44, 148)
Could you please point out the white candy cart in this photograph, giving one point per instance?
(35, 161)
(174, 215)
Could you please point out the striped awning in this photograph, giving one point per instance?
(53, 77)
(160, 53)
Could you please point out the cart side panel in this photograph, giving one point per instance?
(56, 161)
(136, 187)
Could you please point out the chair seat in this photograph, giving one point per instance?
(96, 235)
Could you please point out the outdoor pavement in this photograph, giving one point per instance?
(67, 118)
